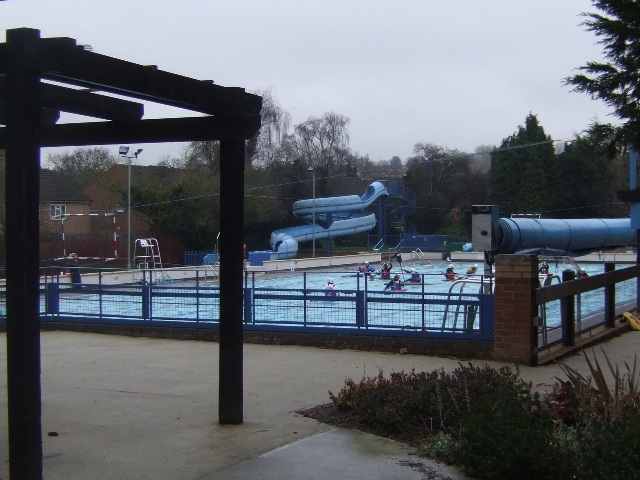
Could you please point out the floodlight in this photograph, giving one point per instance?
(123, 150)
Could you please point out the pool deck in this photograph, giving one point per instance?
(210, 272)
(120, 407)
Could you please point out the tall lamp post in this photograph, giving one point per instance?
(313, 212)
(123, 152)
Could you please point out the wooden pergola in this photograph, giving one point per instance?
(41, 77)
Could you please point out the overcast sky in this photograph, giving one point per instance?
(456, 73)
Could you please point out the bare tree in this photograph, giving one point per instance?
(82, 165)
(201, 154)
(324, 141)
(265, 147)
(445, 165)
(482, 158)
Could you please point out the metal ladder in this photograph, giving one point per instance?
(147, 257)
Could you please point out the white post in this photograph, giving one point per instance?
(314, 215)
(123, 152)
(129, 214)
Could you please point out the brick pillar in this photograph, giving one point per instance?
(516, 337)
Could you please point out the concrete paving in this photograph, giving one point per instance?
(141, 408)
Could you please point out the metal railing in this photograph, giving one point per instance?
(364, 308)
(581, 305)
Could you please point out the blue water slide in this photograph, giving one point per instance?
(335, 217)
(562, 236)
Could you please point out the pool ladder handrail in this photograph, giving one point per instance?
(483, 280)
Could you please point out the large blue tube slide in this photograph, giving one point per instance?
(335, 217)
(562, 236)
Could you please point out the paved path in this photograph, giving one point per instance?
(142, 408)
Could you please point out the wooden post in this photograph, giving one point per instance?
(230, 402)
(610, 299)
(568, 313)
(23, 295)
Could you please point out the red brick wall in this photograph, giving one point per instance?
(515, 338)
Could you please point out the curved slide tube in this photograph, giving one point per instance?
(335, 217)
(564, 237)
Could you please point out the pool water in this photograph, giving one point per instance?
(347, 282)
(433, 279)
(298, 297)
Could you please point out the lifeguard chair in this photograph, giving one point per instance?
(146, 254)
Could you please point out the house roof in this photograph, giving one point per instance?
(55, 188)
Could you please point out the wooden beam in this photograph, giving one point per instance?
(62, 62)
(148, 131)
(630, 196)
(581, 285)
(47, 115)
(230, 403)
(90, 104)
(3, 58)
(23, 263)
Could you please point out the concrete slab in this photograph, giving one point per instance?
(123, 407)
(339, 453)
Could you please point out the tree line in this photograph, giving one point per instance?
(526, 173)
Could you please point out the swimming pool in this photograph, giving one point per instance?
(297, 298)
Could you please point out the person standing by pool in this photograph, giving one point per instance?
(245, 256)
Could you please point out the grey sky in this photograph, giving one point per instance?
(456, 73)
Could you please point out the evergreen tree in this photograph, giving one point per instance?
(588, 179)
(616, 81)
(523, 169)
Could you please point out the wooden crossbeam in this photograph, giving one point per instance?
(57, 98)
(90, 104)
(48, 116)
(146, 131)
(64, 63)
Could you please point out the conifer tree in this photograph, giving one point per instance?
(522, 170)
(616, 81)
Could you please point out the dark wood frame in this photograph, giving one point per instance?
(29, 110)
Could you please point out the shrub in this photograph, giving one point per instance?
(610, 449)
(591, 399)
(429, 401)
(389, 405)
(440, 447)
(489, 422)
(501, 439)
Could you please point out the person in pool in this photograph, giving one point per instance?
(329, 289)
(472, 270)
(385, 271)
(415, 276)
(450, 275)
(395, 284)
(366, 268)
